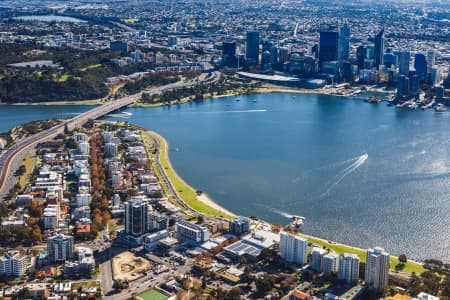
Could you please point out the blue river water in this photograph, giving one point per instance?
(361, 174)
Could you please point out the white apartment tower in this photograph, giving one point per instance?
(349, 268)
(377, 269)
(293, 248)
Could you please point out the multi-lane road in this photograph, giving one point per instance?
(11, 159)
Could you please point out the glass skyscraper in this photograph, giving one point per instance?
(252, 48)
(379, 48)
(328, 47)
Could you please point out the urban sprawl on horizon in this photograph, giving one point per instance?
(93, 209)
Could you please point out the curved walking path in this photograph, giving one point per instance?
(200, 204)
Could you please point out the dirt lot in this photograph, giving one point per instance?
(127, 266)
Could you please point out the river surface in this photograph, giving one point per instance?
(362, 174)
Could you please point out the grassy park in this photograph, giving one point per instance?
(409, 267)
(185, 191)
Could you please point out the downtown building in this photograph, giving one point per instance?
(377, 270)
(137, 221)
(293, 248)
(192, 232)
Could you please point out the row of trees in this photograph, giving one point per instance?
(152, 79)
(431, 283)
(100, 204)
(198, 91)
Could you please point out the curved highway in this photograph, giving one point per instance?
(11, 159)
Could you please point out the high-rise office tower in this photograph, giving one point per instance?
(403, 62)
(421, 66)
(283, 54)
(379, 48)
(377, 269)
(328, 46)
(361, 55)
(293, 248)
(274, 55)
(252, 48)
(137, 216)
(344, 42)
(229, 53)
(403, 85)
(349, 268)
(431, 59)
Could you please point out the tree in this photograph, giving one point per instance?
(402, 258)
(203, 282)
(263, 285)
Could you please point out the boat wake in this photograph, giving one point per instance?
(246, 111)
(121, 115)
(282, 213)
(356, 163)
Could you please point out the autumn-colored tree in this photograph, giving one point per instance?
(104, 203)
(106, 216)
(36, 234)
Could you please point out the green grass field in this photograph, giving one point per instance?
(90, 67)
(29, 163)
(410, 266)
(130, 20)
(186, 192)
(152, 295)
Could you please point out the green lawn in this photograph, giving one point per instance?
(29, 163)
(86, 284)
(186, 192)
(130, 20)
(152, 295)
(90, 67)
(63, 78)
(409, 267)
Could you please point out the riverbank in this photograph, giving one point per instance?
(50, 103)
(410, 267)
(199, 202)
(204, 204)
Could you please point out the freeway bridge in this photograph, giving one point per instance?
(11, 159)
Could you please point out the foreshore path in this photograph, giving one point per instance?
(185, 195)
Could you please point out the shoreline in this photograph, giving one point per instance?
(203, 197)
(264, 89)
(410, 266)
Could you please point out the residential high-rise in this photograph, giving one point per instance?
(13, 264)
(191, 231)
(229, 58)
(403, 62)
(239, 225)
(137, 216)
(60, 247)
(316, 258)
(349, 268)
(330, 263)
(252, 48)
(379, 48)
(344, 42)
(328, 47)
(293, 248)
(421, 65)
(377, 269)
